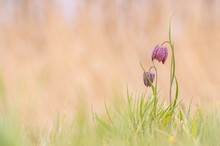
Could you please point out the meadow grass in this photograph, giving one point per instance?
(140, 120)
(145, 119)
(132, 122)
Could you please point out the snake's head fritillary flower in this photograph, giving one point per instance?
(160, 54)
(150, 76)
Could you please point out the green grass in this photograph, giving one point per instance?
(133, 122)
(140, 120)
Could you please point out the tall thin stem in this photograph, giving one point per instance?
(171, 80)
(165, 43)
(155, 90)
(172, 68)
(154, 67)
(172, 71)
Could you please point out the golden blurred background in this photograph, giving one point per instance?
(57, 53)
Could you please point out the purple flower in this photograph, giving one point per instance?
(160, 54)
(146, 76)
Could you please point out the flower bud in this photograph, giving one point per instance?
(148, 76)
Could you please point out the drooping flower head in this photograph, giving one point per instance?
(150, 76)
(160, 54)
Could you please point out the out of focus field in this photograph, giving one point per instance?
(55, 55)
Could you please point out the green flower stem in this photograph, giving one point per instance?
(172, 69)
(155, 91)
(154, 67)
(165, 43)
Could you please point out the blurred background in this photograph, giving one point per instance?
(57, 54)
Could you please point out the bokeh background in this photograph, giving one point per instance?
(57, 54)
